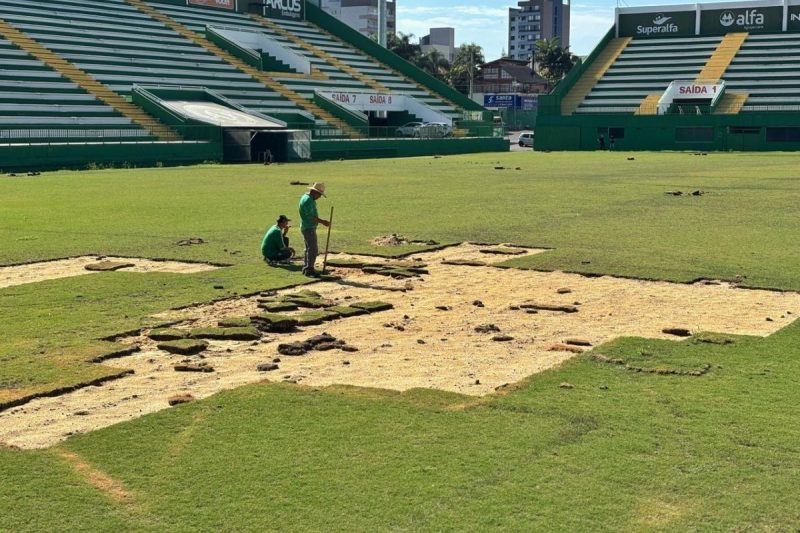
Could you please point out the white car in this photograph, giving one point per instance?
(410, 129)
(526, 138)
(442, 129)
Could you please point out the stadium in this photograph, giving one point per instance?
(600, 334)
(180, 81)
(715, 76)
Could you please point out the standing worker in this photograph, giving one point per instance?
(275, 245)
(309, 221)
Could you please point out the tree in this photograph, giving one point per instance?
(551, 61)
(465, 66)
(401, 45)
(434, 63)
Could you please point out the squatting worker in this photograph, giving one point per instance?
(309, 218)
(275, 245)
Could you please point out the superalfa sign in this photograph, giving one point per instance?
(219, 4)
(284, 9)
(753, 20)
(666, 24)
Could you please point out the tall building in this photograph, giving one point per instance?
(441, 39)
(536, 19)
(362, 15)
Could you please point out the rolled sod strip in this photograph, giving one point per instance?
(183, 347)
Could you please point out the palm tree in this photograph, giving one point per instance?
(434, 63)
(552, 62)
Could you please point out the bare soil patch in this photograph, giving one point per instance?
(415, 344)
(80, 266)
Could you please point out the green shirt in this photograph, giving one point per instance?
(308, 212)
(272, 243)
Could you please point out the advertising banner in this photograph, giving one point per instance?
(219, 4)
(501, 100)
(284, 9)
(530, 103)
(657, 24)
(793, 23)
(751, 19)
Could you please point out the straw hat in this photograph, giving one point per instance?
(318, 187)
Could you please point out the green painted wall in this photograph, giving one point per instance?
(42, 157)
(748, 131)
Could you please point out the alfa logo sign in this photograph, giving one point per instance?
(219, 4)
(285, 9)
(753, 20)
(667, 24)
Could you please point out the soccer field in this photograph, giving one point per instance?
(581, 410)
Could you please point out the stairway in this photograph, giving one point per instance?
(393, 71)
(86, 82)
(584, 85)
(721, 58)
(731, 103)
(321, 54)
(276, 86)
(649, 105)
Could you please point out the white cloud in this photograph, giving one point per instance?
(488, 26)
(587, 26)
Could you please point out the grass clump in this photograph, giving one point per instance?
(346, 311)
(248, 333)
(236, 322)
(183, 347)
(168, 334)
(372, 307)
(316, 317)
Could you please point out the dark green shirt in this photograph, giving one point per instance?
(308, 212)
(272, 243)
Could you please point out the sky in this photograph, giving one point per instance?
(486, 21)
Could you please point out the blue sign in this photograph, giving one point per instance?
(529, 103)
(511, 101)
(500, 100)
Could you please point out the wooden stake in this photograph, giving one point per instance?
(327, 243)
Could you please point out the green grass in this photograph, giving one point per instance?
(620, 451)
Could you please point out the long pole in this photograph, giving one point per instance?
(327, 243)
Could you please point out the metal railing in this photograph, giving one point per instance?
(409, 133)
(29, 136)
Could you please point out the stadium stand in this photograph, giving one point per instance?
(75, 71)
(698, 76)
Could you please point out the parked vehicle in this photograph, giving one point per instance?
(410, 129)
(526, 138)
(440, 129)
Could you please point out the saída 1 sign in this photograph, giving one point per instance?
(285, 9)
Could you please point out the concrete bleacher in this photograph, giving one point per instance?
(645, 67)
(767, 69)
(120, 46)
(331, 76)
(37, 103)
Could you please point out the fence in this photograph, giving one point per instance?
(25, 136)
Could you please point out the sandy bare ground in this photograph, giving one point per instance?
(67, 268)
(432, 348)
